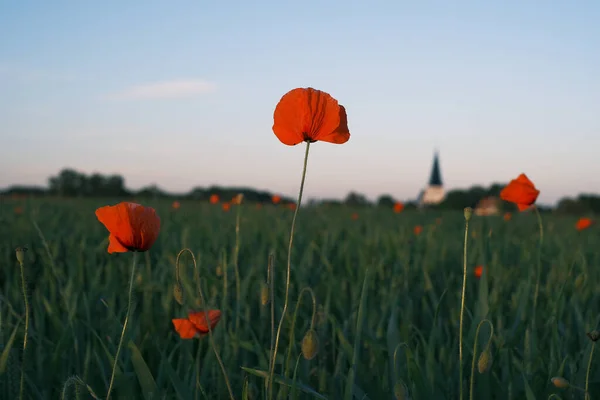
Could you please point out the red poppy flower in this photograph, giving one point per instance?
(398, 207)
(276, 199)
(214, 199)
(195, 325)
(507, 216)
(176, 205)
(132, 227)
(520, 191)
(354, 216)
(310, 115)
(418, 229)
(478, 271)
(583, 223)
(226, 206)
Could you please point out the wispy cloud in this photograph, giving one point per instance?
(174, 89)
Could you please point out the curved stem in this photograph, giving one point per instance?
(587, 374)
(289, 267)
(26, 334)
(112, 375)
(475, 351)
(312, 324)
(462, 310)
(210, 334)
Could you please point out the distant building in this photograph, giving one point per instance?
(488, 206)
(434, 193)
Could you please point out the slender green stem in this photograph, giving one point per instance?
(475, 352)
(112, 375)
(210, 333)
(289, 268)
(587, 374)
(539, 264)
(270, 280)
(462, 309)
(236, 253)
(26, 334)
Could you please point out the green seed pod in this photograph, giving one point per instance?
(264, 294)
(468, 212)
(178, 293)
(219, 270)
(310, 344)
(579, 281)
(594, 335)
(560, 382)
(485, 361)
(20, 252)
(400, 391)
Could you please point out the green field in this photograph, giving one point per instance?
(78, 300)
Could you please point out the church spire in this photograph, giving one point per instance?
(436, 177)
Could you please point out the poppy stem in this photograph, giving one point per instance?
(112, 376)
(289, 267)
(587, 374)
(539, 264)
(312, 324)
(20, 258)
(462, 305)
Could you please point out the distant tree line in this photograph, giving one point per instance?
(71, 183)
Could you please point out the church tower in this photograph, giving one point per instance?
(434, 193)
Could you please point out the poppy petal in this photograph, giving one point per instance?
(199, 319)
(185, 328)
(342, 133)
(114, 246)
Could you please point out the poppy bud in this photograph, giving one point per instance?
(219, 270)
(400, 391)
(485, 361)
(579, 281)
(178, 293)
(264, 294)
(560, 382)
(310, 344)
(594, 335)
(20, 252)
(468, 212)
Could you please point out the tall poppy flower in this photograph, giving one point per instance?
(195, 324)
(520, 191)
(132, 226)
(583, 223)
(310, 115)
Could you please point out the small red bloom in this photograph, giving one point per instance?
(520, 191)
(195, 325)
(583, 223)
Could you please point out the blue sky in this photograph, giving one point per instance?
(182, 93)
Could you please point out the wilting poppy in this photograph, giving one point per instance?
(507, 216)
(195, 325)
(132, 226)
(176, 205)
(214, 199)
(276, 199)
(418, 229)
(354, 216)
(310, 115)
(398, 207)
(520, 191)
(226, 206)
(583, 223)
(478, 271)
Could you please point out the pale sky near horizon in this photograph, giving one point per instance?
(181, 94)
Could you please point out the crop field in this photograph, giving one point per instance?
(381, 300)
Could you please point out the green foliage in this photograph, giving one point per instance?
(406, 334)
